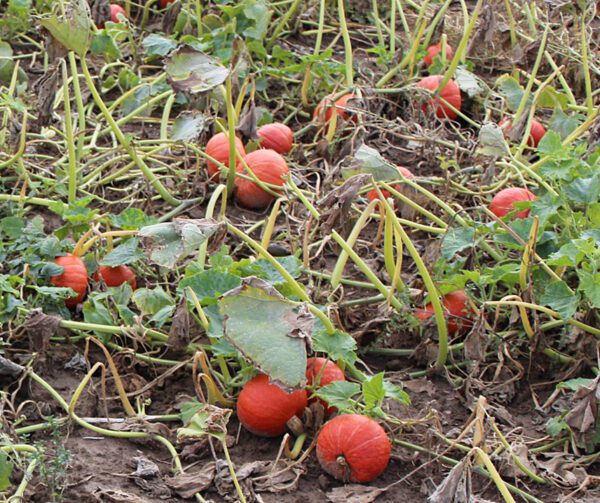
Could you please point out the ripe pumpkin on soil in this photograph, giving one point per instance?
(321, 372)
(74, 276)
(503, 202)
(450, 93)
(353, 448)
(114, 10)
(269, 167)
(218, 148)
(264, 408)
(536, 132)
(277, 137)
(372, 194)
(434, 49)
(116, 276)
(327, 106)
(459, 314)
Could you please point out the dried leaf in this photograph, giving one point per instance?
(247, 122)
(116, 496)
(10, 369)
(456, 487)
(190, 483)
(145, 468)
(583, 416)
(335, 206)
(354, 493)
(179, 333)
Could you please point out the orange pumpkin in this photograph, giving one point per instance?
(218, 148)
(74, 276)
(450, 93)
(434, 49)
(269, 167)
(536, 132)
(116, 276)
(503, 202)
(328, 105)
(459, 314)
(264, 408)
(321, 372)
(372, 194)
(277, 137)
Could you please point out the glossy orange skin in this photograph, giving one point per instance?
(359, 443)
(372, 194)
(327, 105)
(269, 167)
(316, 374)
(75, 276)
(218, 148)
(264, 408)
(450, 93)
(536, 133)
(114, 10)
(459, 314)
(434, 50)
(277, 137)
(116, 276)
(502, 202)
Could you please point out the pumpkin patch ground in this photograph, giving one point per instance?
(259, 251)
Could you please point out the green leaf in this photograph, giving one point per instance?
(167, 242)
(395, 392)
(131, 219)
(339, 394)
(151, 301)
(94, 311)
(7, 63)
(188, 126)
(207, 420)
(551, 98)
(373, 391)
(103, 44)
(268, 330)
(512, 91)
(457, 240)
(555, 426)
(125, 253)
(368, 160)
(468, 82)
(558, 297)
(565, 124)
(6, 468)
(290, 263)
(12, 227)
(589, 284)
(157, 45)
(257, 11)
(338, 345)
(208, 285)
(575, 384)
(491, 141)
(550, 144)
(583, 190)
(193, 71)
(73, 30)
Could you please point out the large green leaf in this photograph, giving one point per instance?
(491, 141)
(193, 71)
(125, 253)
(73, 30)
(367, 160)
(167, 242)
(270, 331)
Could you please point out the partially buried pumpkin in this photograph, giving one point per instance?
(459, 313)
(449, 93)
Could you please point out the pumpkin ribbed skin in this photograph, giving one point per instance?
(218, 148)
(450, 93)
(269, 167)
(75, 276)
(353, 448)
(277, 137)
(434, 50)
(372, 194)
(264, 408)
(116, 276)
(316, 376)
(327, 105)
(459, 314)
(503, 202)
(536, 132)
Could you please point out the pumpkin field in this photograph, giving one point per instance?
(300, 251)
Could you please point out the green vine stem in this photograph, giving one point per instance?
(347, 44)
(70, 140)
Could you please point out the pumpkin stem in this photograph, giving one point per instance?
(343, 464)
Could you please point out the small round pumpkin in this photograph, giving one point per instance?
(164, 3)
(328, 105)
(372, 194)
(277, 137)
(450, 93)
(114, 10)
(321, 372)
(434, 49)
(536, 132)
(116, 276)
(218, 148)
(459, 314)
(269, 167)
(353, 448)
(503, 202)
(74, 276)
(264, 408)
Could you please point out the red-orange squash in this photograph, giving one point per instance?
(450, 93)
(328, 105)
(218, 148)
(114, 10)
(434, 49)
(503, 202)
(321, 372)
(372, 194)
(116, 276)
(264, 408)
(74, 276)
(458, 312)
(353, 448)
(277, 137)
(536, 132)
(164, 3)
(269, 167)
